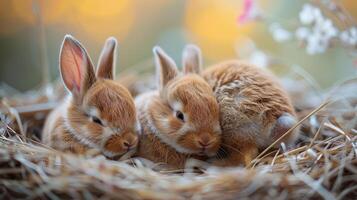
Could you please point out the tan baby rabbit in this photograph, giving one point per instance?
(254, 109)
(98, 114)
(181, 119)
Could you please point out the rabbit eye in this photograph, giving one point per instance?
(180, 116)
(97, 120)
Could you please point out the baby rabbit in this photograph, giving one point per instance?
(98, 114)
(254, 109)
(181, 119)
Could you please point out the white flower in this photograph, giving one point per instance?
(327, 29)
(318, 32)
(344, 36)
(317, 15)
(259, 58)
(315, 44)
(279, 33)
(306, 15)
(349, 36)
(302, 33)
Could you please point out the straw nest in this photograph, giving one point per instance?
(323, 165)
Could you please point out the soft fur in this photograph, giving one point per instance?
(254, 109)
(93, 97)
(164, 137)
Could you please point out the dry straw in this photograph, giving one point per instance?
(323, 165)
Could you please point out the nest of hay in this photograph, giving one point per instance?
(323, 165)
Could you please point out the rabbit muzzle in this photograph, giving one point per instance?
(119, 144)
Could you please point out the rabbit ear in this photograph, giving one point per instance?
(165, 66)
(106, 64)
(191, 59)
(76, 67)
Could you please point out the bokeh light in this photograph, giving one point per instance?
(140, 24)
(97, 19)
(212, 25)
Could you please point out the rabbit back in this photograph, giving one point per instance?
(251, 101)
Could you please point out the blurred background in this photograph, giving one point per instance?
(32, 31)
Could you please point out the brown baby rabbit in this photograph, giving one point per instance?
(254, 109)
(181, 119)
(98, 114)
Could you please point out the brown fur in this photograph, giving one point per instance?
(251, 101)
(156, 113)
(70, 127)
(153, 149)
(56, 135)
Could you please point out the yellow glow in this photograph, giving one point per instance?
(104, 9)
(95, 19)
(51, 10)
(100, 19)
(214, 27)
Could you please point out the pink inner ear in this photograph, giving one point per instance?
(72, 64)
(77, 54)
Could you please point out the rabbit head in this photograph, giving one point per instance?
(101, 113)
(186, 114)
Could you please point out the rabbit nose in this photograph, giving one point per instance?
(204, 144)
(130, 142)
(204, 141)
(127, 144)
